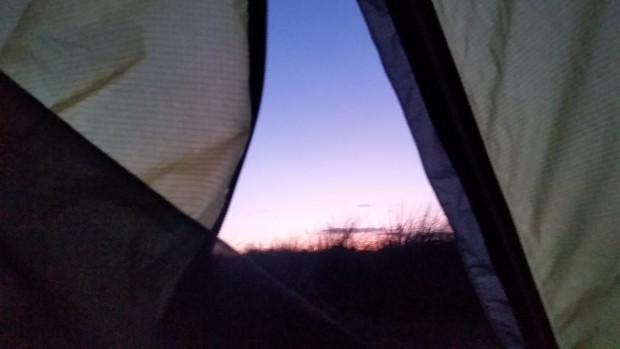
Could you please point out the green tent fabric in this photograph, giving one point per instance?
(522, 98)
(160, 86)
(542, 81)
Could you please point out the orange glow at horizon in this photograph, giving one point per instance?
(283, 226)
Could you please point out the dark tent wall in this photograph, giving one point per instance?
(522, 98)
(96, 251)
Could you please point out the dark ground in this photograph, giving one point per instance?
(411, 295)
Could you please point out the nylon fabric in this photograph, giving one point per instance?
(542, 79)
(160, 86)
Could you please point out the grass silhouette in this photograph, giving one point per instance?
(403, 287)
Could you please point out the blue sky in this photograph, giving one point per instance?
(331, 143)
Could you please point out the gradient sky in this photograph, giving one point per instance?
(331, 144)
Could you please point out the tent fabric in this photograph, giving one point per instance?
(89, 254)
(442, 176)
(542, 80)
(531, 108)
(160, 86)
(422, 40)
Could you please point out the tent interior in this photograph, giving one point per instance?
(124, 126)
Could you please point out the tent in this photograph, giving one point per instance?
(124, 125)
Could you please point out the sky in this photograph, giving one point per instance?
(331, 145)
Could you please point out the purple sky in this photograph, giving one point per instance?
(331, 144)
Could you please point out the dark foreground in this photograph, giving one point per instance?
(412, 295)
